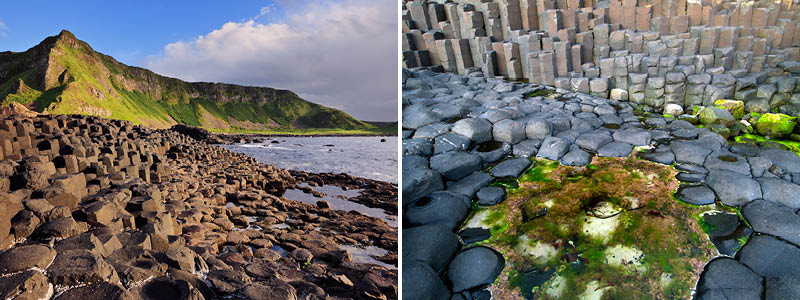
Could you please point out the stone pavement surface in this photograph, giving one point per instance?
(496, 121)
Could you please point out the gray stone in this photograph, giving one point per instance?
(475, 267)
(491, 195)
(553, 148)
(726, 278)
(450, 142)
(509, 131)
(697, 195)
(773, 219)
(664, 157)
(576, 157)
(526, 148)
(421, 282)
(689, 153)
(471, 184)
(638, 137)
(422, 147)
(538, 129)
(431, 131)
(418, 182)
(510, 168)
(477, 130)
(442, 208)
(615, 149)
(592, 141)
(733, 189)
(724, 160)
(770, 257)
(455, 165)
(434, 245)
(780, 191)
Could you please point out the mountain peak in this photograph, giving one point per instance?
(65, 34)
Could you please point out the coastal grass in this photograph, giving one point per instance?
(309, 131)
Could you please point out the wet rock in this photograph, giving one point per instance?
(418, 182)
(421, 282)
(477, 130)
(509, 131)
(774, 219)
(422, 147)
(474, 235)
(638, 137)
(444, 208)
(576, 157)
(615, 149)
(185, 259)
(591, 141)
(474, 267)
(511, 167)
(491, 195)
(59, 228)
(726, 161)
(770, 257)
(301, 255)
(726, 278)
(228, 280)
(538, 129)
(787, 160)
(733, 189)
(163, 288)
(272, 289)
(689, 153)
(24, 285)
(97, 291)
(781, 288)
(431, 244)
(690, 177)
(73, 267)
(664, 158)
(455, 165)
(450, 142)
(25, 257)
(553, 148)
(780, 191)
(471, 184)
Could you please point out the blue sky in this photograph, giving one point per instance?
(337, 53)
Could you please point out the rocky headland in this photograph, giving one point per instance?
(103, 209)
(520, 191)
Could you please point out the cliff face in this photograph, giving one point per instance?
(64, 75)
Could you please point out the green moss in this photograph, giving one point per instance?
(776, 125)
(790, 145)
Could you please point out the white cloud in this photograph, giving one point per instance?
(3, 29)
(342, 55)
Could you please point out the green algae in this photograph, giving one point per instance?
(546, 93)
(650, 222)
(758, 139)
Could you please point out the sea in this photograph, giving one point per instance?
(365, 157)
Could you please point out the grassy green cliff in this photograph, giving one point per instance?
(63, 75)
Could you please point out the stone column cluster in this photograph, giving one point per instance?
(649, 52)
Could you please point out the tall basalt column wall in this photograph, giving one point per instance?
(628, 42)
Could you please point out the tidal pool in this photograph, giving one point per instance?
(609, 230)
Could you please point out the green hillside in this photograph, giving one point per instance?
(63, 75)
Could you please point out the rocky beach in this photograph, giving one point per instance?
(520, 191)
(103, 209)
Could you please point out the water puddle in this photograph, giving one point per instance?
(337, 198)
(367, 255)
(280, 250)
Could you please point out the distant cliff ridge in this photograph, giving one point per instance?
(64, 75)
